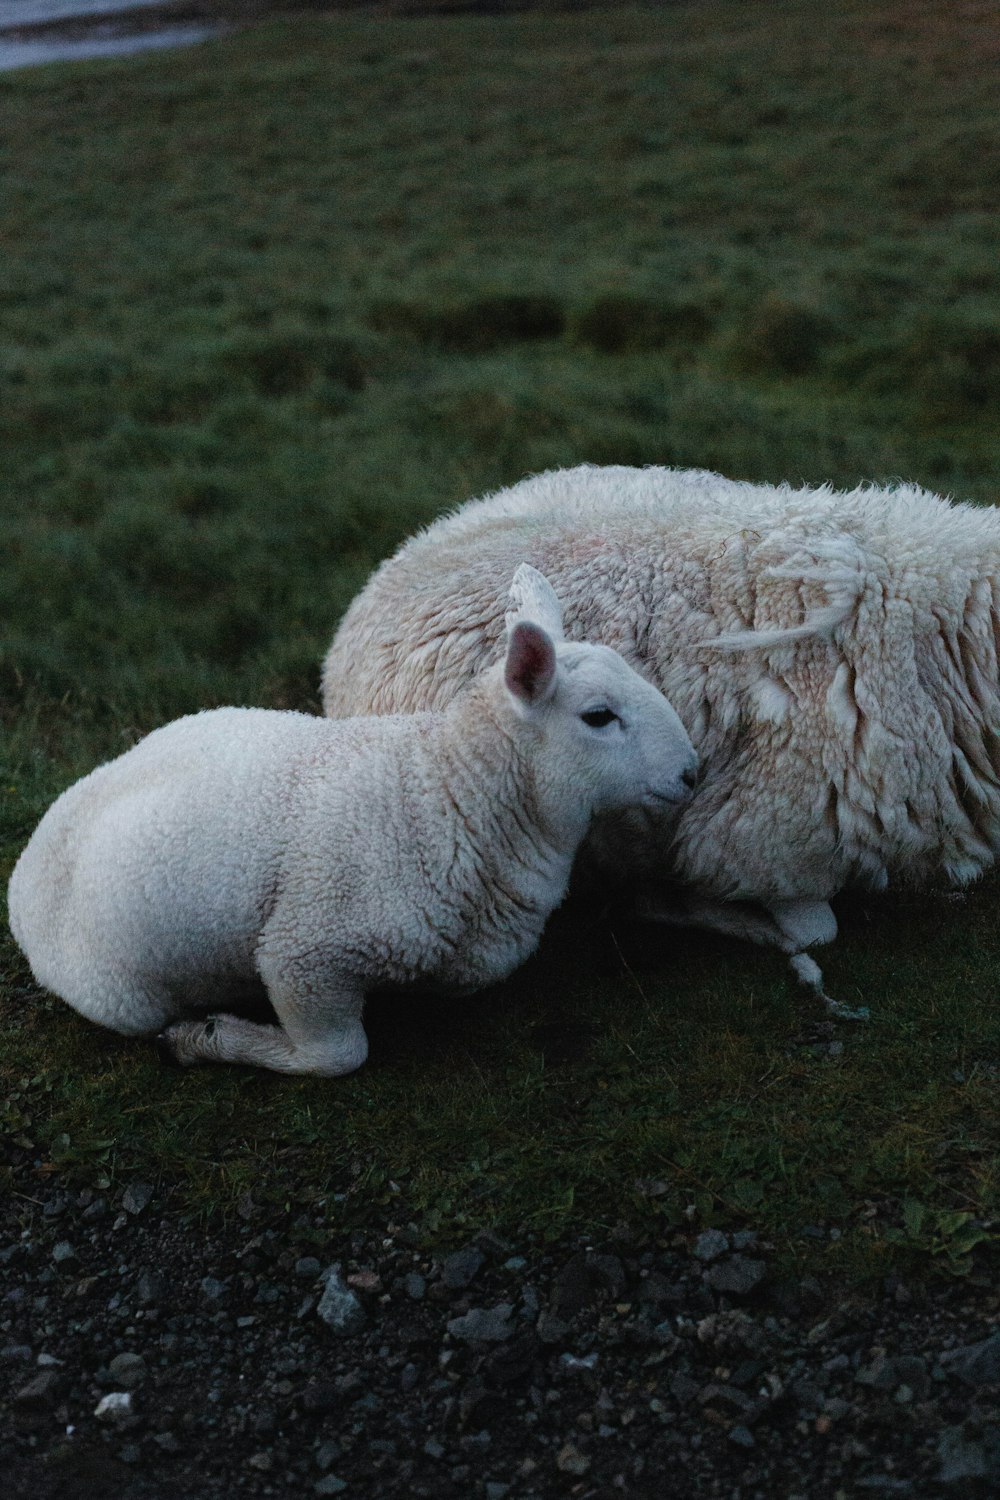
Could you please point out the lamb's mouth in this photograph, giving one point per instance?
(671, 799)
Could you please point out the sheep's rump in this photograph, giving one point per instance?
(834, 658)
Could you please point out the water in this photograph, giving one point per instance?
(29, 12)
(104, 39)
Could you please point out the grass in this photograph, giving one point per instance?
(268, 305)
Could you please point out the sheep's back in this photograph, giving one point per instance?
(854, 733)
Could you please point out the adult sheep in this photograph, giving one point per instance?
(242, 846)
(833, 656)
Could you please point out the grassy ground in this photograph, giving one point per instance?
(269, 304)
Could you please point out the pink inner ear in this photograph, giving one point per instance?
(531, 663)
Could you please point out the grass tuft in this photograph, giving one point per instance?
(620, 323)
(483, 323)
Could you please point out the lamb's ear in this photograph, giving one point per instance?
(532, 597)
(530, 667)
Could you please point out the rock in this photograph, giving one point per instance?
(308, 1268)
(736, 1277)
(339, 1307)
(683, 1388)
(511, 1362)
(433, 1448)
(320, 1396)
(709, 1245)
(569, 1460)
(329, 1485)
(742, 1436)
(65, 1256)
(976, 1364)
(721, 1395)
(963, 1458)
(11, 1352)
(483, 1325)
(128, 1371)
(116, 1408)
(415, 1286)
(550, 1329)
(609, 1270)
(730, 1331)
(571, 1288)
(212, 1289)
(149, 1288)
(579, 1364)
(136, 1197)
(365, 1280)
(890, 1374)
(460, 1268)
(327, 1453)
(41, 1391)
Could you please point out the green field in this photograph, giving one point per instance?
(269, 304)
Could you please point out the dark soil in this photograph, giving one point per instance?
(278, 1359)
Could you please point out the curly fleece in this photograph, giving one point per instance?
(833, 656)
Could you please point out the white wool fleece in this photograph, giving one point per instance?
(834, 658)
(322, 859)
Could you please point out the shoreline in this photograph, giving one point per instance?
(169, 13)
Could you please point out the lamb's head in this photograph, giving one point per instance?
(605, 728)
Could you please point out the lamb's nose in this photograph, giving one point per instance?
(690, 777)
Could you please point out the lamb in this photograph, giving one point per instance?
(833, 656)
(323, 859)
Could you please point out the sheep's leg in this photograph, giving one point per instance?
(790, 926)
(319, 1036)
(804, 923)
(736, 919)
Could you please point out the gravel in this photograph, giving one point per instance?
(280, 1358)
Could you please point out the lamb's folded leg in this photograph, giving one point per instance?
(324, 1037)
(790, 926)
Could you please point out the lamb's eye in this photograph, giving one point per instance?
(599, 718)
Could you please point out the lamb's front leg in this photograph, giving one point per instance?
(322, 1036)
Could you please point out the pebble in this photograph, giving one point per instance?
(136, 1197)
(976, 1364)
(460, 1269)
(963, 1459)
(483, 1325)
(329, 1485)
(738, 1276)
(340, 1308)
(569, 1460)
(742, 1436)
(327, 1453)
(40, 1391)
(128, 1371)
(709, 1245)
(116, 1408)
